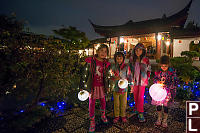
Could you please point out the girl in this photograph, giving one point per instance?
(96, 82)
(120, 71)
(167, 76)
(140, 66)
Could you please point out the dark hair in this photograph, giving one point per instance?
(141, 56)
(103, 46)
(119, 54)
(164, 59)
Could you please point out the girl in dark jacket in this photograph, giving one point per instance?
(96, 82)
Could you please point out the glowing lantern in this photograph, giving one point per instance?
(83, 95)
(157, 92)
(123, 83)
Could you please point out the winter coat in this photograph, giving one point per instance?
(124, 72)
(145, 70)
(170, 80)
(89, 71)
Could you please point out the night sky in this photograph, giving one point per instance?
(43, 16)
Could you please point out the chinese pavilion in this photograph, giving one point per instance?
(156, 34)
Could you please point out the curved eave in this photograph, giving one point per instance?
(147, 26)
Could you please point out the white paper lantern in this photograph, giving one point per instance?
(123, 83)
(157, 92)
(83, 95)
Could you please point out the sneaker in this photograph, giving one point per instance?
(135, 112)
(104, 119)
(124, 120)
(92, 125)
(92, 129)
(141, 117)
(116, 120)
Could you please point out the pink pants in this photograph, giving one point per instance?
(139, 98)
(92, 105)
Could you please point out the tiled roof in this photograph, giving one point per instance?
(164, 24)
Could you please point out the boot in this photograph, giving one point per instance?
(164, 122)
(116, 120)
(92, 125)
(158, 122)
(124, 120)
(141, 117)
(103, 116)
(135, 112)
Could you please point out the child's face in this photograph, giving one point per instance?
(119, 59)
(138, 52)
(164, 67)
(102, 53)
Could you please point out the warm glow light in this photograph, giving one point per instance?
(167, 42)
(123, 83)
(14, 86)
(83, 95)
(80, 51)
(159, 37)
(97, 46)
(87, 51)
(196, 41)
(157, 92)
(121, 40)
(134, 41)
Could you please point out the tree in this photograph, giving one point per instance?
(33, 68)
(192, 26)
(74, 38)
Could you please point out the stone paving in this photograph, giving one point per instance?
(77, 122)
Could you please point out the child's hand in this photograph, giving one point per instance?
(108, 90)
(90, 95)
(160, 82)
(132, 89)
(117, 78)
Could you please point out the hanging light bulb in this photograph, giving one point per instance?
(159, 37)
(196, 41)
(121, 40)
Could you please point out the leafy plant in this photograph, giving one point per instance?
(190, 54)
(183, 65)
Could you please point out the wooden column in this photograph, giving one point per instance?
(171, 46)
(158, 47)
(93, 50)
(110, 46)
(118, 42)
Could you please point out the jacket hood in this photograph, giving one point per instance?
(141, 46)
